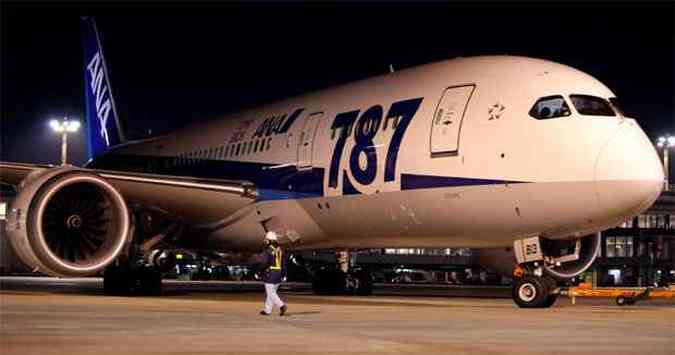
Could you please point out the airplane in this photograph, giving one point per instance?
(524, 159)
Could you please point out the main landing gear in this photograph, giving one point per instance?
(123, 279)
(139, 272)
(342, 278)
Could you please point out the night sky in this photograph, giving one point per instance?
(174, 64)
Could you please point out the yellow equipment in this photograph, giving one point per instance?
(624, 296)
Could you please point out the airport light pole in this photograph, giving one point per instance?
(64, 126)
(666, 142)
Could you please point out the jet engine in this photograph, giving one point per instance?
(562, 259)
(68, 222)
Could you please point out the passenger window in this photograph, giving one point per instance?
(550, 107)
(591, 105)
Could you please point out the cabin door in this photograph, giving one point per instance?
(306, 140)
(447, 124)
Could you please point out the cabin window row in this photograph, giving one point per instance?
(227, 151)
(556, 106)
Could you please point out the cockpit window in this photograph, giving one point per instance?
(617, 107)
(591, 105)
(550, 107)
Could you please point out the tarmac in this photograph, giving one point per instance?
(71, 316)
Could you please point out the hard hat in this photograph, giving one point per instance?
(271, 235)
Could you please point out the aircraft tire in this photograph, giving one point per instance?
(551, 284)
(531, 292)
(117, 280)
(150, 281)
(365, 287)
(550, 301)
(330, 282)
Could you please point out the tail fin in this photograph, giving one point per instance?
(104, 128)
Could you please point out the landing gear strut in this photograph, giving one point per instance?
(342, 278)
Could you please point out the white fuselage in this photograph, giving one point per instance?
(466, 164)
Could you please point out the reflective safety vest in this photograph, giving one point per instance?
(278, 254)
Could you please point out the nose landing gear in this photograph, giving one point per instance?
(541, 263)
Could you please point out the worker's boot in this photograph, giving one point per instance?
(282, 310)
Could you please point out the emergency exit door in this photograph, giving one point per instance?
(448, 118)
(306, 140)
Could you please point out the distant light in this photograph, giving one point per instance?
(54, 124)
(666, 141)
(66, 125)
(3, 211)
(179, 256)
(72, 126)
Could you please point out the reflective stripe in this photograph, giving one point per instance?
(278, 253)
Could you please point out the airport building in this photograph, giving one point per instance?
(641, 251)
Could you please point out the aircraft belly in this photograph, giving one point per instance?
(476, 216)
(472, 216)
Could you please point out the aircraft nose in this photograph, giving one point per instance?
(628, 172)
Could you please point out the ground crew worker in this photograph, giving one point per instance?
(273, 265)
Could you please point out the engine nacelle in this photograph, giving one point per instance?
(68, 222)
(562, 259)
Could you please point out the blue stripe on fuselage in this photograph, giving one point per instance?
(274, 182)
(414, 182)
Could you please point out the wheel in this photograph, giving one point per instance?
(365, 283)
(117, 280)
(551, 285)
(317, 284)
(621, 301)
(339, 283)
(531, 292)
(550, 301)
(625, 301)
(329, 282)
(150, 281)
(335, 282)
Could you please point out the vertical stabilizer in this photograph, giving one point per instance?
(103, 124)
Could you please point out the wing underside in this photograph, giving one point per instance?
(194, 200)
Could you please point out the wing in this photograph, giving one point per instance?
(14, 173)
(195, 200)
